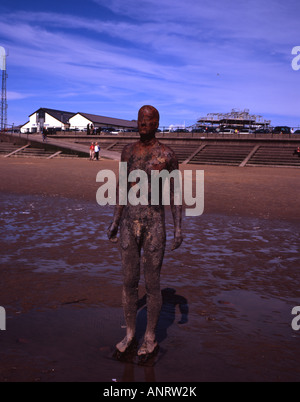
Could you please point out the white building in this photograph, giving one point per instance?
(47, 118)
(80, 121)
(61, 120)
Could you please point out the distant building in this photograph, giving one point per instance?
(60, 121)
(48, 118)
(80, 121)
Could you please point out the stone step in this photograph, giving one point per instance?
(222, 155)
(276, 156)
(274, 162)
(207, 162)
(31, 154)
(8, 148)
(66, 156)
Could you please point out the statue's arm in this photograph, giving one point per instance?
(114, 226)
(176, 209)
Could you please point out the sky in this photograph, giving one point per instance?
(186, 58)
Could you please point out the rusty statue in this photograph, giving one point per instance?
(142, 232)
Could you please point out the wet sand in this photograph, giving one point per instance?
(228, 291)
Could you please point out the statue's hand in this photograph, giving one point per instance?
(178, 238)
(112, 232)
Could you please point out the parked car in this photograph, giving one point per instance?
(107, 129)
(228, 130)
(282, 130)
(130, 130)
(198, 130)
(263, 131)
(117, 131)
(181, 130)
(297, 132)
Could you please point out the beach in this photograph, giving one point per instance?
(228, 291)
(263, 192)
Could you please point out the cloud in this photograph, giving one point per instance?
(188, 57)
(12, 95)
(247, 19)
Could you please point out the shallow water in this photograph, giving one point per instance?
(235, 279)
(50, 234)
(44, 225)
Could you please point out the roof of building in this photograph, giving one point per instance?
(109, 121)
(60, 115)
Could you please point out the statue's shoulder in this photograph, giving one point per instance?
(169, 156)
(167, 151)
(127, 151)
(129, 147)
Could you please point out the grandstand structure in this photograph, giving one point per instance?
(236, 119)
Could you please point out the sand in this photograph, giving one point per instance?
(261, 191)
(234, 281)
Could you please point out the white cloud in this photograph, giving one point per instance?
(12, 95)
(187, 56)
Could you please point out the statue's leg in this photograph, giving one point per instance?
(154, 247)
(131, 274)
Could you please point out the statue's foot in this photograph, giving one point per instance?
(147, 351)
(126, 349)
(148, 347)
(125, 344)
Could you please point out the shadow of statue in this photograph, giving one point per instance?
(170, 300)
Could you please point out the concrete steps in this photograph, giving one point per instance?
(31, 152)
(227, 154)
(114, 146)
(183, 152)
(7, 147)
(202, 152)
(220, 154)
(274, 156)
(67, 156)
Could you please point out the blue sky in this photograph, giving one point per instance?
(187, 58)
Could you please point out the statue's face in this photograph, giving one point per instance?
(148, 121)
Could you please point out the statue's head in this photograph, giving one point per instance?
(148, 121)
